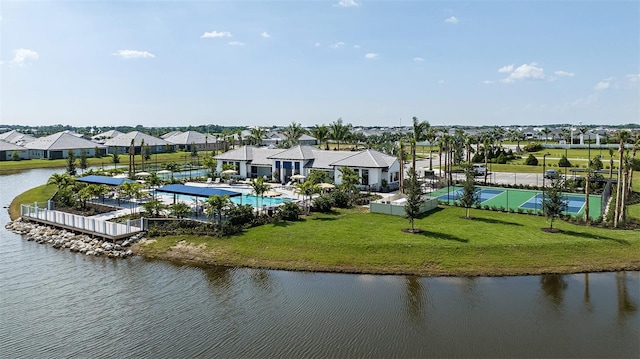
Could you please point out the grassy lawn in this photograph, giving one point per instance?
(352, 241)
(8, 167)
(36, 194)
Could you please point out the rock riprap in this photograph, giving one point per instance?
(82, 243)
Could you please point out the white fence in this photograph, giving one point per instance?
(81, 223)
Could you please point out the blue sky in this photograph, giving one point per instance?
(372, 63)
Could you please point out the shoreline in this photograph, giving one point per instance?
(199, 256)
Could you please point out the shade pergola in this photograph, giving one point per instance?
(194, 191)
(106, 180)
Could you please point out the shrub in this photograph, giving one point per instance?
(289, 211)
(322, 204)
(533, 147)
(239, 215)
(531, 160)
(502, 159)
(340, 199)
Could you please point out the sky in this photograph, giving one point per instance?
(271, 63)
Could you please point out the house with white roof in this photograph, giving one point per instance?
(16, 137)
(57, 146)
(8, 149)
(122, 142)
(280, 164)
(184, 140)
(103, 136)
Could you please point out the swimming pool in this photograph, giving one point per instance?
(245, 198)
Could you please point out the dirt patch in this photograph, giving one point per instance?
(551, 230)
(412, 231)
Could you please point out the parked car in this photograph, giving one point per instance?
(551, 174)
(479, 169)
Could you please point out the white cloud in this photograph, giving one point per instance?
(347, 3)
(338, 45)
(604, 84)
(21, 57)
(418, 59)
(451, 20)
(524, 72)
(507, 69)
(564, 73)
(488, 82)
(371, 56)
(356, 46)
(440, 82)
(133, 54)
(265, 35)
(633, 78)
(214, 34)
(235, 43)
(317, 44)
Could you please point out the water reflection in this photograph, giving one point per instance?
(553, 285)
(587, 295)
(414, 299)
(626, 306)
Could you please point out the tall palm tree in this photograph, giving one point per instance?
(431, 136)
(546, 131)
(419, 134)
(214, 207)
(321, 133)
(259, 188)
(307, 189)
(339, 131)
(292, 133)
(132, 156)
(257, 135)
(622, 136)
(583, 130)
(486, 144)
(612, 152)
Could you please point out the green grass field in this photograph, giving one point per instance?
(492, 243)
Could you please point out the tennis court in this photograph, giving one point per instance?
(521, 200)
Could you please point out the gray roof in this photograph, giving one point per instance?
(324, 159)
(189, 137)
(106, 135)
(6, 146)
(124, 140)
(16, 137)
(169, 134)
(261, 156)
(61, 141)
(295, 153)
(244, 153)
(368, 159)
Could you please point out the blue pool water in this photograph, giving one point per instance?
(243, 199)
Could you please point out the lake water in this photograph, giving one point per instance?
(55, 303)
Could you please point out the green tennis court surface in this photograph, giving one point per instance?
(527, 200)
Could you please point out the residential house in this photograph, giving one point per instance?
(372, 166)
(122, 142)
(184, 140)
(8, 149)
(16, 137)
(57, 146)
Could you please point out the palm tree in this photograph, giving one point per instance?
(132, 156)
(142, 153)
(257, 135)
(292, 134)
(339, 131)
(546, 132)
(612, 152)
(259, 188)
(214, 207)
(307, 189)
(180, 210)
(132, 190)
(419, 134)
(154, 208)
(583, 130)
(321, 133)
(486, 143)
(622, 136)
(431, 136)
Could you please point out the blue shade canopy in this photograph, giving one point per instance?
(196, 191)
(110, 181)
